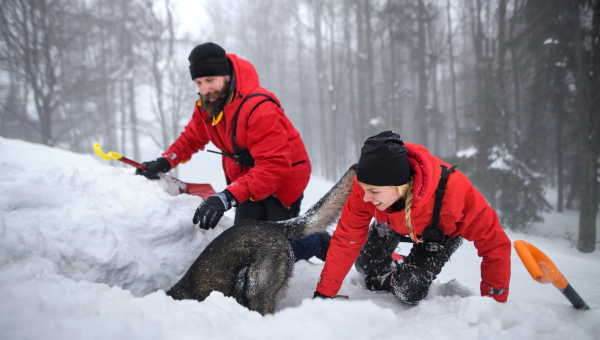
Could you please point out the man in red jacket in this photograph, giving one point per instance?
(399, 185)
(266, 165)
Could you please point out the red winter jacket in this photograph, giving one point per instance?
(282, 167)
(464, 211)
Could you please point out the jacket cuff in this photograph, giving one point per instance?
(172, 158)
(233, 202)
(239, 195)
(328, 287)
(499, 294)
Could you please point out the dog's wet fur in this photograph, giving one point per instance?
(253, 260)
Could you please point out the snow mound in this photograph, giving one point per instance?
(75, 217)
(87, 251)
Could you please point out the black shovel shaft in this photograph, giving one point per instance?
(574, 298)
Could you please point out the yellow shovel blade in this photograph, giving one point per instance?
(109, 156)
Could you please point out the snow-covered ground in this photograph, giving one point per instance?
(87, 251)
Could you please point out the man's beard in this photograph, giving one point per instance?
(215, 105)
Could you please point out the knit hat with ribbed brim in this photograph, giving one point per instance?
(208, 60)
(383, 161)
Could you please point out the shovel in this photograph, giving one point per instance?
(543, 270)
(202, 190)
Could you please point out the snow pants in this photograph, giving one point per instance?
(411, 278)
(270, 209)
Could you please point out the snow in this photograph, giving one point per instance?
(467, 153)
(87, 251)
(376, 121)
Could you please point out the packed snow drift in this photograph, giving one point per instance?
(87, 251)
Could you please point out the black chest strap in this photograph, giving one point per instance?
(237, 150)
(242, 156)
(433, 233)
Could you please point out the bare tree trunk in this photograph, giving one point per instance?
(594, 140)
(333, 95)
(436, 119)
(123, 109)
(307, 134)
(560, 121)
(370, 63)
(589, 161)
(134, 122)
(351, 55)
(453, 75)
(500, 75)
(362, 81)
(106, 112)
(481, 84)
(321, 83)
(393, 97)
(515, 72)
(422, 114)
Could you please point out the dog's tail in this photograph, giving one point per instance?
(325, 212)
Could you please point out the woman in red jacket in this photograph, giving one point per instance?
(396, 184)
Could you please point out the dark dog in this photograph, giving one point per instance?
(253, 260)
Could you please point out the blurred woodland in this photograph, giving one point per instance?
(507, 89)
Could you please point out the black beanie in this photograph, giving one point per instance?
(383, 161)
(208, 60)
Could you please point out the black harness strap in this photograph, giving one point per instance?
(243, 157)
(434, 233)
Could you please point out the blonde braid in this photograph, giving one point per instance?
(407, 211)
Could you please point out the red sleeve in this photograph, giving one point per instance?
(348, 238)
(193, 138)
(268, 144)
(479, 223)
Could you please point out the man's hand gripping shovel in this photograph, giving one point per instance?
(202, 190)
(543, 270)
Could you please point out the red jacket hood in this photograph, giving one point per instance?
(246, 78)
(426, 172)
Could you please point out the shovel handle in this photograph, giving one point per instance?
(114, 155)
(574, 298)
(133, 163)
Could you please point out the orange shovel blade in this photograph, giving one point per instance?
(539, 265)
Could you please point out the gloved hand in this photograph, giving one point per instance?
(379, 282)
(211, 210)
(321, 296)
(161, 164)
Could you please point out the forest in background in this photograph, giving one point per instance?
(507, 89)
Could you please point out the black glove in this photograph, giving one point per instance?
(379, 282)
(161, 164)
(211, 210)
(321, 296)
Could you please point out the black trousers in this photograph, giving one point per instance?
(413, 277)
(270, 209)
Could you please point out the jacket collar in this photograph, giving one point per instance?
(426, 173)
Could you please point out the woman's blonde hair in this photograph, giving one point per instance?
(408, 192)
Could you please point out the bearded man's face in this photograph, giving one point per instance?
(213, 93)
